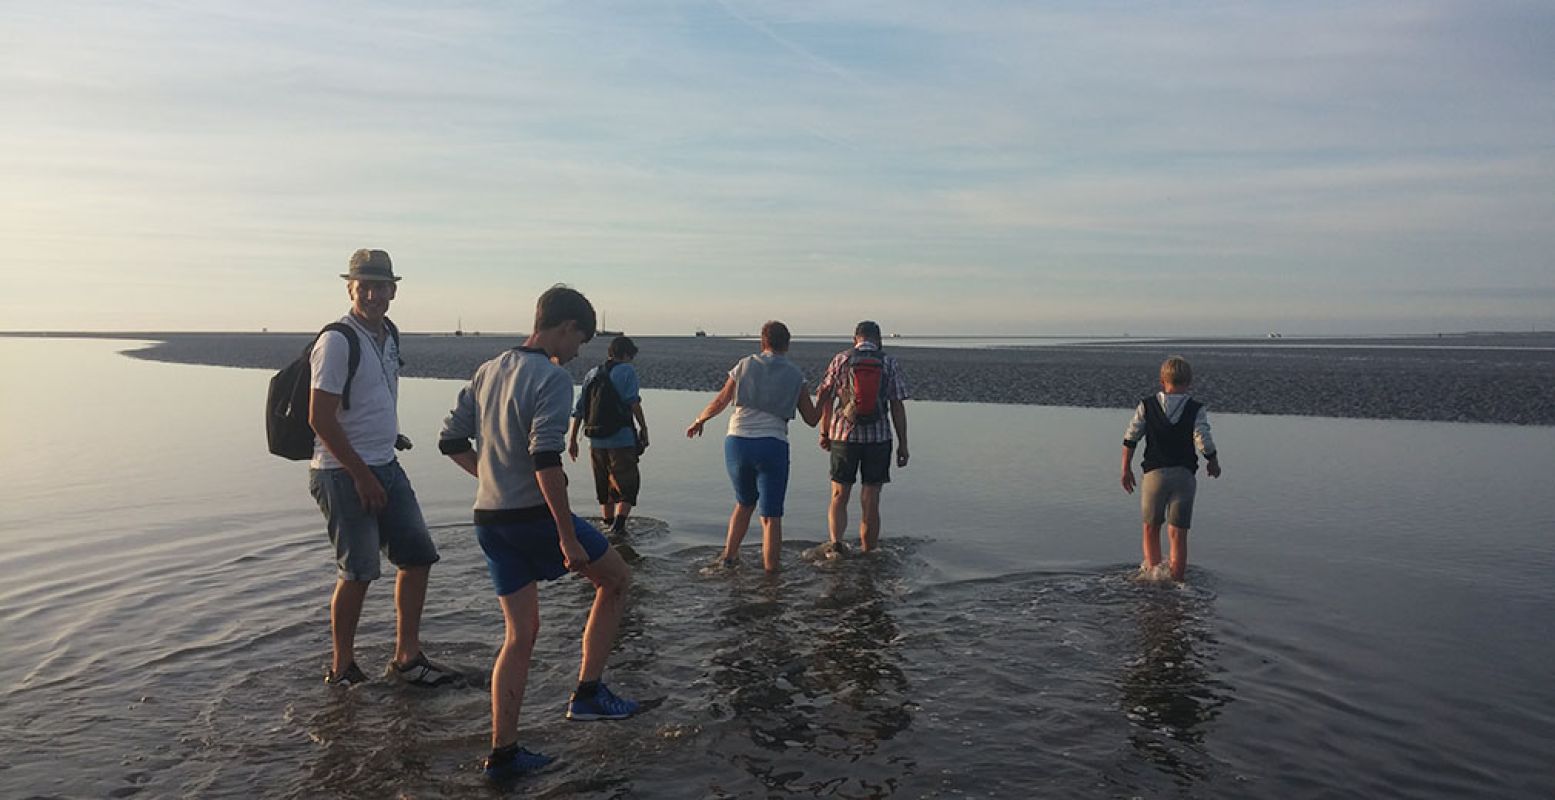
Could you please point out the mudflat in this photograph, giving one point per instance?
(1493, 378)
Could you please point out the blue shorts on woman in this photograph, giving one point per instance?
(766, 390)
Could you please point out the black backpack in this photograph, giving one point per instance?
(286, 404)
(604, 412)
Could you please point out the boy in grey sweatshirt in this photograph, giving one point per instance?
(516, 409)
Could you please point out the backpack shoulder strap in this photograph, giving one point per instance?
(599, 373)
(877, 354)
(394, 333)
(352, 360)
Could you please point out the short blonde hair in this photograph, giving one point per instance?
(1176, 371)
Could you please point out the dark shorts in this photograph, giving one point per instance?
(758, 468)
(399, 530)
(520, 553)
(851, 461)
(616, 478)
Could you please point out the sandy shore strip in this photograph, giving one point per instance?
(1492, 378)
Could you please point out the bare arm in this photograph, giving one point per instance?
(467, 461)
(899, 421)
(553, 485)
(808, 410)
(323, 415)
(1128, 469)
(827, 402)
(720, 402)
(572, 438)
(642, 424)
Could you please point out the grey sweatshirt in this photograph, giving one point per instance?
(516, 408)
(767, 382)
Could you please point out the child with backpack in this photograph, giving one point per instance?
(606, 408)
(1173, 425)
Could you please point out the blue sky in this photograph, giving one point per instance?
(987, 168)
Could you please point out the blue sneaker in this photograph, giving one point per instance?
(603, 705)
(520, 763)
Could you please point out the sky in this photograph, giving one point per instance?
(992, 168)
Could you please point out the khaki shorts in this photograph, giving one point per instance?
(1166, 495)
(616, 478)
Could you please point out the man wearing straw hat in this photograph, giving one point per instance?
(366, 498)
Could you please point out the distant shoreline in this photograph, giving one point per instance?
(1505, 378)
(1496, 339)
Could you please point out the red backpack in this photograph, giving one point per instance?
(863, 387)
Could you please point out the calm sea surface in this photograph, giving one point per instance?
(1368, 614)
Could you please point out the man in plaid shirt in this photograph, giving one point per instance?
(861, 447)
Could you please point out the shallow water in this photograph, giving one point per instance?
(1368, 614)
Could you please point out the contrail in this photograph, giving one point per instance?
(790, 46)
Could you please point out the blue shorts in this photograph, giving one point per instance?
(520, 553)
(758, 468)
(398, 530)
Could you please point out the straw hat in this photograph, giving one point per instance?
(370, 265)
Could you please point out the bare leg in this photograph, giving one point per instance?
(1179, 538)
(410, 595)
(1152, 544)
(611, 577)
(869, 526)
(509, 676)
(607, 513)
(623, 509)
(771, 543)
(345, 609)
(739, 523)
(837, 514)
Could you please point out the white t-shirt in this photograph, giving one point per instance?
(372, 423)
(753, 423)
(764, 378)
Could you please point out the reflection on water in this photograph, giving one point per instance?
(806, 675)
(855, 659)
(164, 617)
(1168, 691)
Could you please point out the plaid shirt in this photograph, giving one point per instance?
(842, 429)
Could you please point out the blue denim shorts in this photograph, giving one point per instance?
(520, 553)
(398, 530)
(758, 468)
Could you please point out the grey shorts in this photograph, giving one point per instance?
(1166, 495)
(398, 530)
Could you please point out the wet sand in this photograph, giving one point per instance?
(1491, 378)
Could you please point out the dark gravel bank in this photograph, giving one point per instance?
(1457, 379)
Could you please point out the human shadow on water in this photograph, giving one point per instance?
(1168, 690)
(808, 673)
